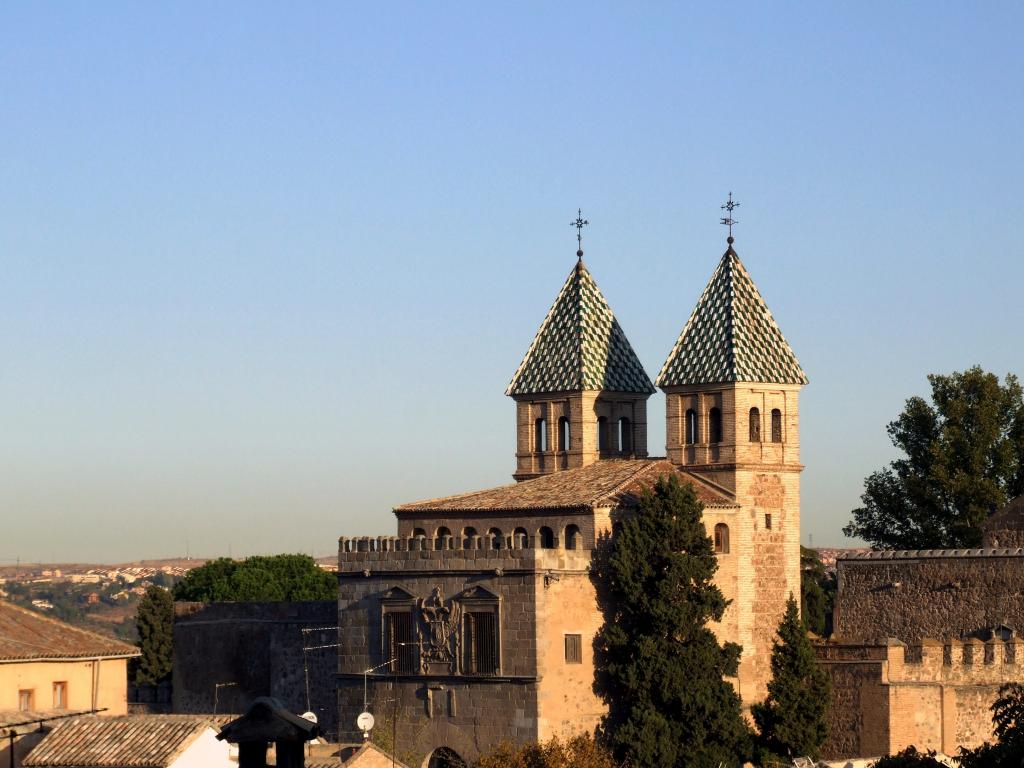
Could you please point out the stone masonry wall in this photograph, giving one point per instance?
(257, 650)
(934, 695)
(938, 594)
(470, 714)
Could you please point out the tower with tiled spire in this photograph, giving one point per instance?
(732, 384)
(581, 392)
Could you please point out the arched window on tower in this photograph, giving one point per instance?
(776, 425)
(721, 539)
(563, 434)
(573, 537)
(625, 436)
(603, 444)
(755, 425)
(547, 538)
(467, 537)
(520, 538)
(496, 538)
(691, 426)
(439, 537)
(540, 435)
(714, 426)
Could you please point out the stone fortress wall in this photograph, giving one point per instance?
(228, 654)
(933, 694)
(922, 641)
(540, 593)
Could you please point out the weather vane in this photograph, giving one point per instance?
(580, 223)
(728, 220)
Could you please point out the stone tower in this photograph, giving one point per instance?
(732, 384)
(581, 392)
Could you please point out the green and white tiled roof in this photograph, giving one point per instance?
(580, 346)
(731, 336)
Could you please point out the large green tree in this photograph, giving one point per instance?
(817, 593)
(963, 457)
(258, 579)
(660, 669)
(793, 719)
(154, 620)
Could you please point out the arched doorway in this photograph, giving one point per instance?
(442, 757)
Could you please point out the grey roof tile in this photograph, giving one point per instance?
(580, 346)
(731, 336)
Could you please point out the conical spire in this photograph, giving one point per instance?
(731, 336)
(580, 346)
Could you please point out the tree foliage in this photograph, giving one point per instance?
(963, 458)
(909, 758)
(659, 668)
(1008, 722)
(793, 719)
(817, 593)
(272, 578)
(577, 752)
(154, 619)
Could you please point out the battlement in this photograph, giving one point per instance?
(969, 661)
(445, 552)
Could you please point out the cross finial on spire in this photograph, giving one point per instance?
(580, 223)
(728, 220)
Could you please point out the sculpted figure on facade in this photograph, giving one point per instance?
(439, 622)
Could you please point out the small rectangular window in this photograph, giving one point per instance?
(573, 649)
(60, 695)
(480, 643)
(767, 521)
(26, 700)
(400, 643)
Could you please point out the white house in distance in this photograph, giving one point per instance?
(154, 741)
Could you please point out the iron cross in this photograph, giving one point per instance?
(728, 220)
(580, 223)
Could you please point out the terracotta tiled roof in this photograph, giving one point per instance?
(609, 482)
(580, 346)
(26, 635)
(110, 742)
(13, 718)
(731, 336)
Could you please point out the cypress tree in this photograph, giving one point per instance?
(660, 669)
(792, 720)
(154, 619)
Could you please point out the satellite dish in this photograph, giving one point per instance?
(308, 716)
(364, 722)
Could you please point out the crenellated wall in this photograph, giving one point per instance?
(933, 694)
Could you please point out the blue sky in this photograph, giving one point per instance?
(267, 269)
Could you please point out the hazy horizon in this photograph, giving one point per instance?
(267, 274)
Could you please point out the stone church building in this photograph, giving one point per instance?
(478, 617)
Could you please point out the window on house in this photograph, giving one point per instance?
(574, 649)
(563, 434)
(691, 426)
(755, 425)
(714, 426)
(625, 435)
(547, 538)
(722, 539)
(573, 538)
(60, 695)
(400, 642)
(479, 643)
(540, 437)
(767, 521)
(602, 434)
(26, 700)
(776, 425)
